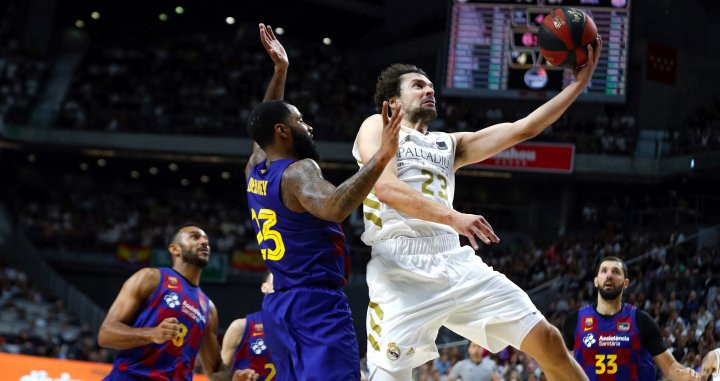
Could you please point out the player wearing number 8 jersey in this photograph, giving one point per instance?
(161, 319)
(297, 215)
(613, 340)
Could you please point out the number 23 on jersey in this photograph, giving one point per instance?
(266, 233)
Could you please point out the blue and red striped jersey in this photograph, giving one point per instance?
(252, 352)
(298, 248)
(174, 297)
(610, 348)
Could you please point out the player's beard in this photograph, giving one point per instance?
(191, 257)
(611, 294)
(304, 146)
(420, 114)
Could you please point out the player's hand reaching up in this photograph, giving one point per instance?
(166, 330)
(391, 130)
(584, 73)
(245, 375)
(273, 47)
(471, 226)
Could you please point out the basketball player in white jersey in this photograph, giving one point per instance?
(419, 277)
(711, 366)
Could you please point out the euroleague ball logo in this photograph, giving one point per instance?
(576, 15)
(172, 300)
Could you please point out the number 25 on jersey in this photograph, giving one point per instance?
(266, 233)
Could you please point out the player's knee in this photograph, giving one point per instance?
(553, 348)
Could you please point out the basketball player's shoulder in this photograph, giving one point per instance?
(146, 275)
(143, 282)
(300, 171)
(372, 121)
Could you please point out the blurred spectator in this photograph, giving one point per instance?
(33, 323)
(477, 367)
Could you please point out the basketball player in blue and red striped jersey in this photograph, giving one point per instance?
(613, 340)
(244, 345)
(297, 215)
(161, 319)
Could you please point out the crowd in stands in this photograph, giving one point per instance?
(198, 84)
(701, 132)
(206, 85)
(33, 322)
(22, 75)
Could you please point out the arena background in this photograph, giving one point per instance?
(122, 119)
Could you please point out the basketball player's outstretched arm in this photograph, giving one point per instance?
(400, 196)
(231, 340)
(473, 147)
(116, 330)
(672, 369)
(210, 356)
(276, 88)
(304, 188)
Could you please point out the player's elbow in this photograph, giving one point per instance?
(103, 339)
(337, 216)
(524, 130)
(384, 192)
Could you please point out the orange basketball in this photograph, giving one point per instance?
(564, 35)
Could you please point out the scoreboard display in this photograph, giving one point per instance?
(492, 50)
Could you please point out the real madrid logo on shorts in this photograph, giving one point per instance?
(393, 351)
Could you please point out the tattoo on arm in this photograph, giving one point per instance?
(304, 189)
(353, 191)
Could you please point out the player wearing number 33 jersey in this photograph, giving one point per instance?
(613, 340)
(161, 319)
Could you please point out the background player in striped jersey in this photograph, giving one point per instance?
(244, 345)
(297, 215)
(420, 277)
(613, 340)
(161, 319)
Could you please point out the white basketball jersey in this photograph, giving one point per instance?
(716, 373)
(425, 163)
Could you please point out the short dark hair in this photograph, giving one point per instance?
(388, 83)
(613, 259)
(263, 119)
(176, 231)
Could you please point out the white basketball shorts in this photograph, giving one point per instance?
(419, 284)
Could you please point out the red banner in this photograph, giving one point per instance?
(536, 157)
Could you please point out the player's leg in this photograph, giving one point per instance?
(279, 340)
(380, 374)
(494, 312)
(545, 344)
(409, 301)
(325, 334)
